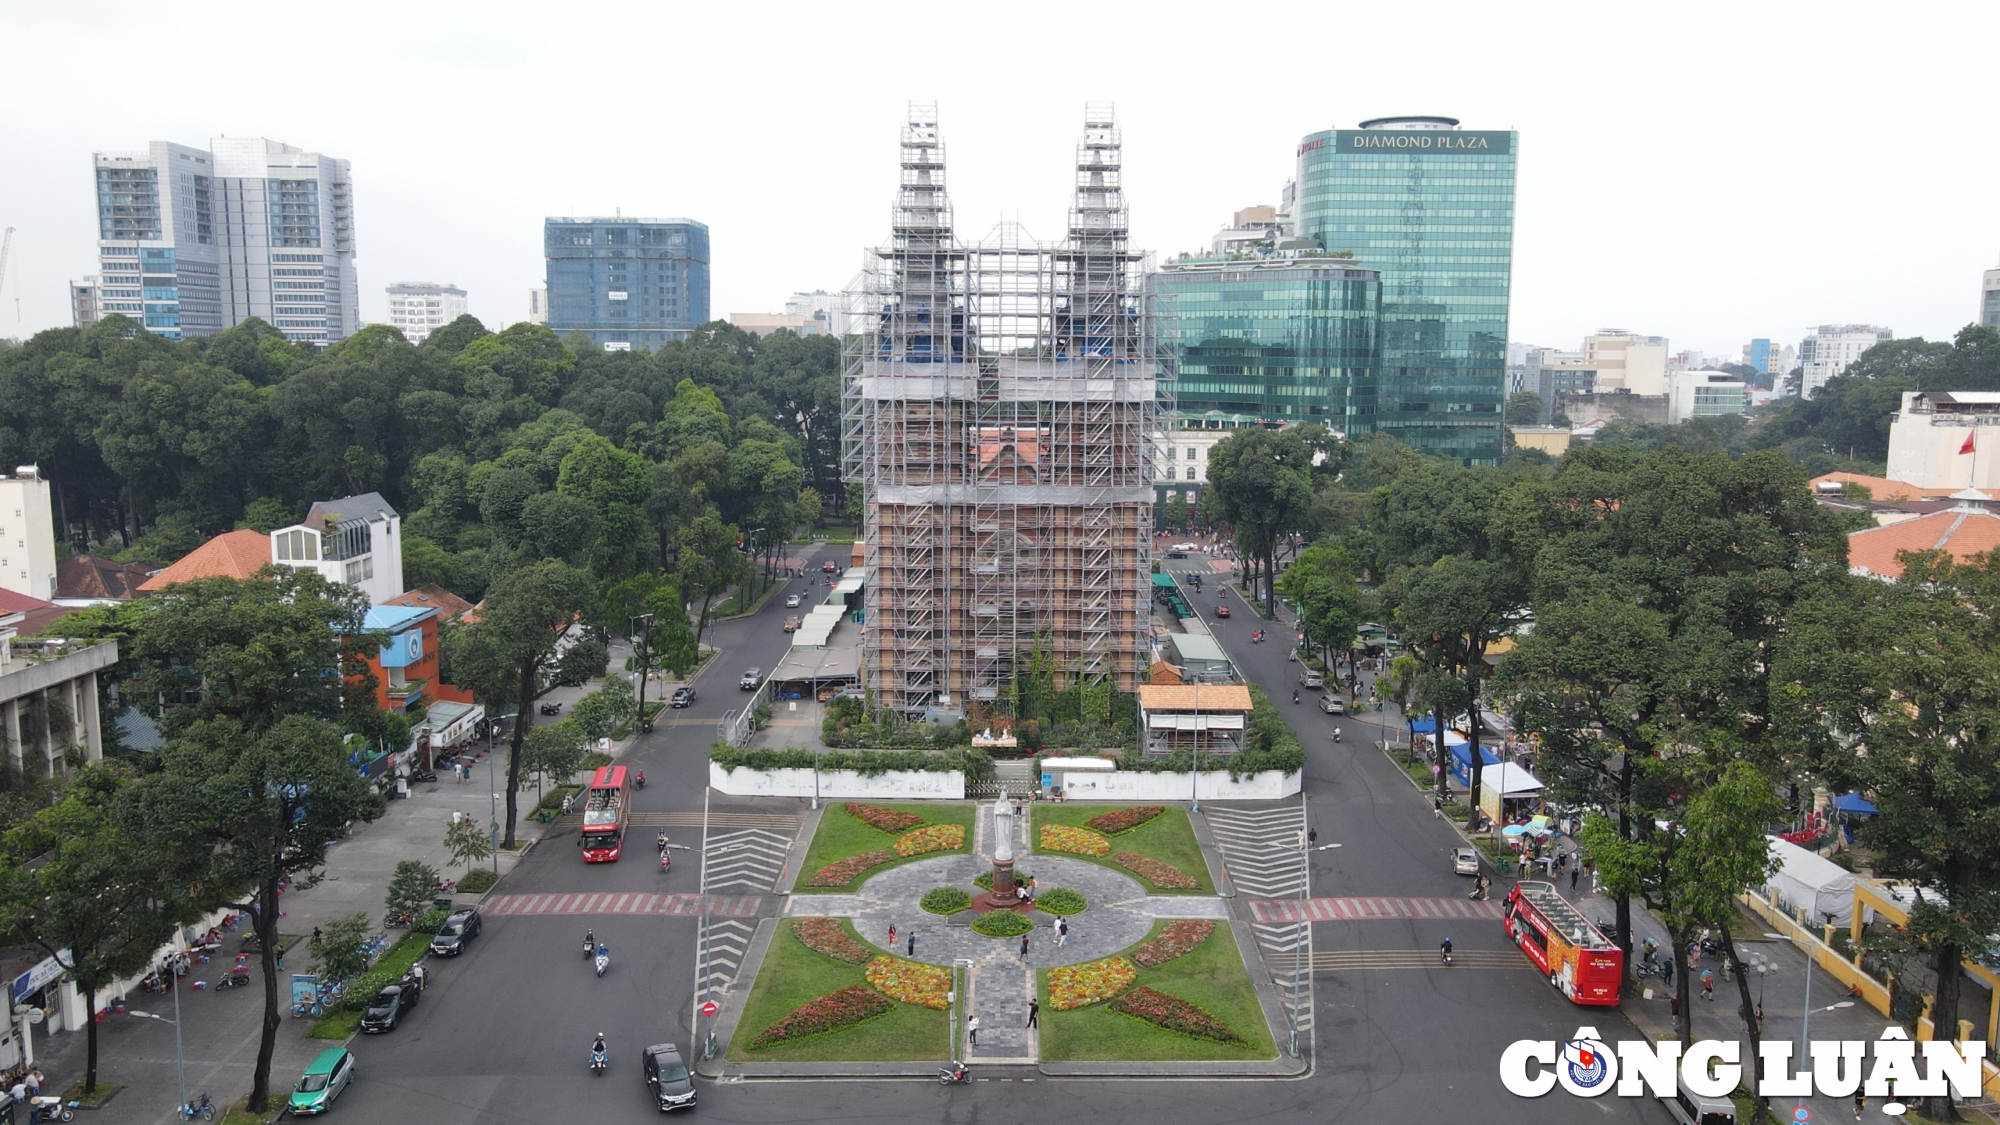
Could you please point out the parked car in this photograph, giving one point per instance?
(682, 697)
(668, 1077)
(1177, 554)
(1185, 547)
(322, 1082)
(1333, 704)
(751, 679)
(1465, 861)
(792, 623)
(458, 930)
(1222, 611)
(792, 601)
(1311, 679)
(387, 1009)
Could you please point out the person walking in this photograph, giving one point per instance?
(1062, 931)
(972, 1031)
(1667, 971)
(1708, 984)
(1674, 1008)
(892, 935)
(1860, 1104)
(912, 949)
(1573, 873)
(1034, 1011)
(1024, 947)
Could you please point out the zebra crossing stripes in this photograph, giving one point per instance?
(1367, 960)
(1260, 847)
(613, 902)
(774, 821)
(1373, 909)
(728, 943)
(752, 858)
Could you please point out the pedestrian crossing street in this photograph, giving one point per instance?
(751, 858)
(1365, 960)
(1373, 909)
(1260, 856)
(612, 902)
(728, 943)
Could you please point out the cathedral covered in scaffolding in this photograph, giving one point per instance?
(999, 410)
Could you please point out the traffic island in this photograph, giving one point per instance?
(815, 1003)
(856, 841)
(1182, 994)
(1159, 850)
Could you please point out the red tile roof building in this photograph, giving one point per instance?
(234, 554)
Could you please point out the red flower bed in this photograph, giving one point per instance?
(1123, 820)
(831, 1012)
(1173, 1014)
(847, 870)
(1163, 875)
(1176, 939)
(886, 819)
(827, 936)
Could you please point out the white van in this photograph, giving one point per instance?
(1694, 1109)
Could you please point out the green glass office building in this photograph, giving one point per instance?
(1288, 336)
(1431, 206)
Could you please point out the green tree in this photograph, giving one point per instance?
(1524, 408)
(410, 887)
(1893, 690)
(1321, 583)
(556, 751)
(467, 843)
(341, 952)
(512, 654)
(78, 886)
(1260, 482)
(234, 808)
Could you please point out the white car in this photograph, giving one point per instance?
(1185, 547)
(792, 602)
(1465, 861)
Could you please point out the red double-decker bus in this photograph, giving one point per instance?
(607, 807)
(1580, 962)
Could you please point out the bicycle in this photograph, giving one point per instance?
(203, 1109)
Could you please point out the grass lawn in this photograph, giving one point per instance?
(1167, 838)
(340, 1023)
(842, 835)
(792, 975)
(1212, 976)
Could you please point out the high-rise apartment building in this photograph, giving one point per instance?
(538, 305)
(1277, 336)
(627, 283)
(825, 313)
(999, 406)
(1430, 206)
(27, 534)
(84, 301)
(419, 308)
(1829, 349)
(191, 242)
(1989, 299)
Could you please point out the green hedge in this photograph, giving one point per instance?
(1270, 745)
(977, 764)
(1060, 900)
(944, 900)
(1002, 923)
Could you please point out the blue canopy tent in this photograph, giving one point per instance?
(1854, 804)
(1460, 761)
(1426, 725)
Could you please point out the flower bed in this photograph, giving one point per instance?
(827, 936)
(944, 900)
(931, 838)
(887, 819)
(1123, 820)
(1176, 939)
(835, 1010)
(1173, 1014)
(1163, 875)
(1060, 900)
(847, 870)
(1076, 841)
(912, 982)
(984, 880)
(1002, 923)
(1076, 986)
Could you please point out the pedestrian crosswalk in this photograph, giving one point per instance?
(1372, 909)
(772, 821)
(752, 858)
(728, 942)
(613, 902)
(1261, 856)
(1363, 960)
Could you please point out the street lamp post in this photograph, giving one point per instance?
(1306, 848)
(180, 1065)
(1805, 1018)
(493, 822)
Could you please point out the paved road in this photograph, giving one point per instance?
(501, 1037)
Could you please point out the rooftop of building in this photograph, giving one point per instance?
(1194, 697)
(426, 286)
(1418, 121)
(1962, 532)
(448, 604)
(93, 576)
(395, 618)
(368, 506)
(233, 554)
(1931, 401)
(632, 220)
(36, 614)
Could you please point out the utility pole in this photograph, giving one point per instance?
(642, 649)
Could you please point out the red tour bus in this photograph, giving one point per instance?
(1581, 963)
(607, 805)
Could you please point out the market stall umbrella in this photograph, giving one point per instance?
(1514, 830)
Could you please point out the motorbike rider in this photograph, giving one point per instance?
(641, 779)
(597, 1049)
(590, 939)
(661, 841)
(1336, 734)
(1444, 949)
(1295, 695)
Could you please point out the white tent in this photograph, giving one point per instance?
(1508, 780)
(1805, 881)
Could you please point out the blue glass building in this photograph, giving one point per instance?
(627, 283)
(1431, 206)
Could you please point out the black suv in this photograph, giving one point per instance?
(460, 928)
(389, 1006)
(682, 697)
(668, 1077)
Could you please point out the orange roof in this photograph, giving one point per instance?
(1164, 674)
(233, 554)
(1194, 697)
(448, 604)
(1963, 532)
(1882, 488)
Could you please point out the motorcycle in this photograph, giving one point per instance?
(203, 1109)
(1444, 951)
(1295, 697)
(639, 780)
(399, 919)
(599, 1062)
(956, 1072)
(423, 775)
(551, 708)
(603, 959)
(445, 887)
(46, 1107)
(1336, 734)
(589, 944)
(235, 978)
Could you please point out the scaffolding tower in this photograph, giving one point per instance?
(999, 408)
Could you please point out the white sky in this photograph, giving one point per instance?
(1705, 171)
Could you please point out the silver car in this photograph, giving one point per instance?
(1465, 861)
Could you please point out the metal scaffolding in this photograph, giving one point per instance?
(999, 411)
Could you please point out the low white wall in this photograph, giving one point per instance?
(838, 785)
(1216, 785)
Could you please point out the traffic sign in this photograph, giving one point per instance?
(708, 1008)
